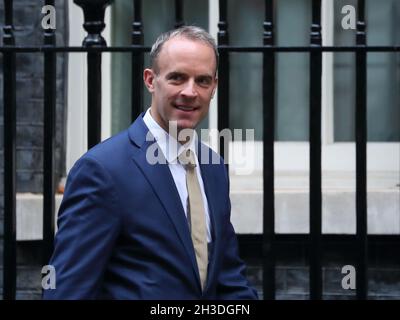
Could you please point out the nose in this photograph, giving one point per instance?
(189, 89)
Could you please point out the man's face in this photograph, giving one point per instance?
(184, 83)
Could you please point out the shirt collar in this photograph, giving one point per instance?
(169, 146)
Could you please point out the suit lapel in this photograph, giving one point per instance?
(160, 178)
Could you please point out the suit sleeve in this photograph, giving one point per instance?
(232, 283)
(88, 225)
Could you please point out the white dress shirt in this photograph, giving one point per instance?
(171, 149)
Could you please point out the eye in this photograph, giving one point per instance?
(175, 77)
(204, 81)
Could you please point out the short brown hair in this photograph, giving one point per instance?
(189, 32)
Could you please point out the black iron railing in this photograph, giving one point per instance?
(10, 122)
(94, 45)
(315, 154)
(50, 74)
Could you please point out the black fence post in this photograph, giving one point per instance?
(223, 78)
(361, 157)
(10, 118)
(315, 155)
(50, 91)
(137, 60)
(94, 24)
(268, 155)
(179, 22)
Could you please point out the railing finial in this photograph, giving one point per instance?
(93, 11)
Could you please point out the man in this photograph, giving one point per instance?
(134, 228)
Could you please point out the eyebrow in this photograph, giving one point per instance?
(174, 73)
(206, 76)
(178, 73)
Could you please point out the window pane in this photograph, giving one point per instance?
(383, 74)
(293, 29)
(246, 28)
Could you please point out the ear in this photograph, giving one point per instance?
(148, 78)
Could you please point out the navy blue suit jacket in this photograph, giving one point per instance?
(122, 231)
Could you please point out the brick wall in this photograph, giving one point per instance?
(30, 112)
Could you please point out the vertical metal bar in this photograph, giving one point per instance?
(94, 24)
(94, 98)
(223, 76)
(9, 91)
(268, 156)
(49, 142)
(137, 61)
(361, 156)
(315, 154)
(179, 22)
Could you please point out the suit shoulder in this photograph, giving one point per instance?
(106, 151)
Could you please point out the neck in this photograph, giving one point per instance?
(182, 135)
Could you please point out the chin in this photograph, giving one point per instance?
(186, 125)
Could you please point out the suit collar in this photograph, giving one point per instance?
(137, 131)
(169, 145)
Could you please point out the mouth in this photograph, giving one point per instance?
(185, 108)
